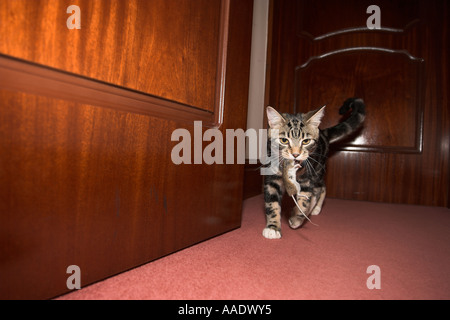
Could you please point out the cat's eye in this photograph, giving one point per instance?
(284, 141)
(306, 141)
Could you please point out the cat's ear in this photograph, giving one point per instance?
(315, 117)
(275, 119)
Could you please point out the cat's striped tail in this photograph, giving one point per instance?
(353, 122)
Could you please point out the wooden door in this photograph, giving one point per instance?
(86, 120)
(323, 52)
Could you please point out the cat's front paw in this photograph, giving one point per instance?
(270, 233)
(295, 222)
(316, 211)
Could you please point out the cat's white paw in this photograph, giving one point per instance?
(316, 211)
(295, 222)
(269, 233)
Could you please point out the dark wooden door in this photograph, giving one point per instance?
(86, 118)
(323, 52)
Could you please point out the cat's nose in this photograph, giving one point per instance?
(295, 155)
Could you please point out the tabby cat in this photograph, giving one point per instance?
(302, 143)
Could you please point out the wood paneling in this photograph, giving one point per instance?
(16, 74)
(86, 176)
(253, 180)
(396, 16)
(363, 72)
(96, 188)
(166, 48)
(323, 52)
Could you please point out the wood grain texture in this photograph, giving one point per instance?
(17, 74)
(253, 180)
(398, 91)
(87, 184)
(396, 16)
(166, 48)
(96, 188)
(385, 78)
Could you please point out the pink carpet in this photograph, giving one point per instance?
(410, 244)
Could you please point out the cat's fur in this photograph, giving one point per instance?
(303, 144)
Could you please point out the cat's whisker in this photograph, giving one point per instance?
(318, 163)
(311, 167)
(318, 154)
(280, 161)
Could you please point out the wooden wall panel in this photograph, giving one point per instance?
(96, 188)
(323, 53)
(385, 78)
(166, 48)
(397, 16)
(86, 175)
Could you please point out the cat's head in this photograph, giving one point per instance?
(297, 134)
